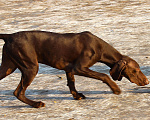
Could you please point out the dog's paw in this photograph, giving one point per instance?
(117, 91)
(79, 96)
(38, 104)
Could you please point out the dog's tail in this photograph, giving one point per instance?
(5, 37)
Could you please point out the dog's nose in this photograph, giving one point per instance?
(146, 81)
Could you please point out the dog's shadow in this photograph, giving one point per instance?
(140, 90)
(45, 95)
(49, 94)
(64, 95)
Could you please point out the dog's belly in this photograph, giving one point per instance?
(59, 62)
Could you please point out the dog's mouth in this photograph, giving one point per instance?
(145, 82)
(139, 82)
(140, 79)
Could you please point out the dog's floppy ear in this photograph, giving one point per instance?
(116, 70)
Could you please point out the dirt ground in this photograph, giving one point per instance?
(125, 24)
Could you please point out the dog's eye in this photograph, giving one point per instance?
(134, 71)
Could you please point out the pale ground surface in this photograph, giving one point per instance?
(125, 24)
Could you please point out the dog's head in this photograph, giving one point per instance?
(130, 69)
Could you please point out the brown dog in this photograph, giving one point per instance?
(72, 52)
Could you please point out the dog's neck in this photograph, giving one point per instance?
(111, 59)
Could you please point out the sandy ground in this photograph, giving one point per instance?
(125, 24)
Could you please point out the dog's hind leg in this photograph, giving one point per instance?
(24, 57)
(26, 79)
(71, 85)
(7, 66)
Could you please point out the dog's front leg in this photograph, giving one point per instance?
(71, 85)
(100, 76)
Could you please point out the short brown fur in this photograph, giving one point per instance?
(72, 52)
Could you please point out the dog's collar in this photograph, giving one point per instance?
(116, 70)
